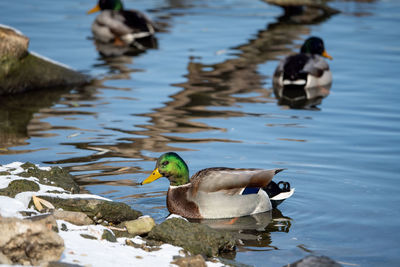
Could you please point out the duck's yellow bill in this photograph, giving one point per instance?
(325, 54)
(95, 9)
(153, 176)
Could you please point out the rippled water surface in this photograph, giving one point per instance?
(205, 92)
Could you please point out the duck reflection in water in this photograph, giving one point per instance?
(253, 230)
(303, 79)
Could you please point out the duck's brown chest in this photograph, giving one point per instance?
(178, 203)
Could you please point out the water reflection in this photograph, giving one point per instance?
(110, 50)
(308, 98)
(210, 91)
(254, 232)
(17, 111)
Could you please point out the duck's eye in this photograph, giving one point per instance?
(165, 163)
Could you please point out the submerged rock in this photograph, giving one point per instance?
(314, 261)
(195, 238)
(140, 226)
(97, 209)
(56, 176)
(21, 71)
(17, 186)
(29, 243)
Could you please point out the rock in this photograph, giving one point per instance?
(62, 264)
(21, 71)
(122, 232)
(74, 217)
(145, 247)
(314, 261)
(18, 186)
(47, 219)
(64, 227)
(195, 238)
(25, 242)
(108, 235)
(12, 44)
(140, 226)
(4, 259)
(96, 209)
(56, 176)
(190, 261)
(88, 236)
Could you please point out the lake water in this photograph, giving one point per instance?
(205, 92)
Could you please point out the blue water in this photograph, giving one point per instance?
(190, 96)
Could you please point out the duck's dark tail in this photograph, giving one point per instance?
(273, 189)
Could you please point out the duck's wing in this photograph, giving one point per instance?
(138, 21)
(114, 21)
(293, 67)
(231, 179)
(316, 66)
(125, 22)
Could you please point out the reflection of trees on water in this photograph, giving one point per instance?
(210, 91)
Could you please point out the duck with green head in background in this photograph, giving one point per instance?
(119, 26)
(218, 192)
(305, 76)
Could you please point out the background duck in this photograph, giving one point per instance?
(217, 192)
(304, 76)
(119, 26)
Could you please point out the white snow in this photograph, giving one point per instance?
(11, 28)
(84, 251)
(10, 207)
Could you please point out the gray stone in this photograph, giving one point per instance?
(27, 242)
(195, 238)
(74, 217)
(190, 261)
(108, 235)
(88, 236)
(62, 264)
(140, 226)
(96, 209)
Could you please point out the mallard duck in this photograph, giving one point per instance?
(305, 75)
(216, 192)
(119, 26)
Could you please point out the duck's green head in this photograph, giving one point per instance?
(107, 5)
(315, 45)
(172, 166)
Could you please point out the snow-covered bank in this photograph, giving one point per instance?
(78, 248)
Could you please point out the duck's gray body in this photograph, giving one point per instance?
(310, 75)
(222, 193)
(128, 26)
